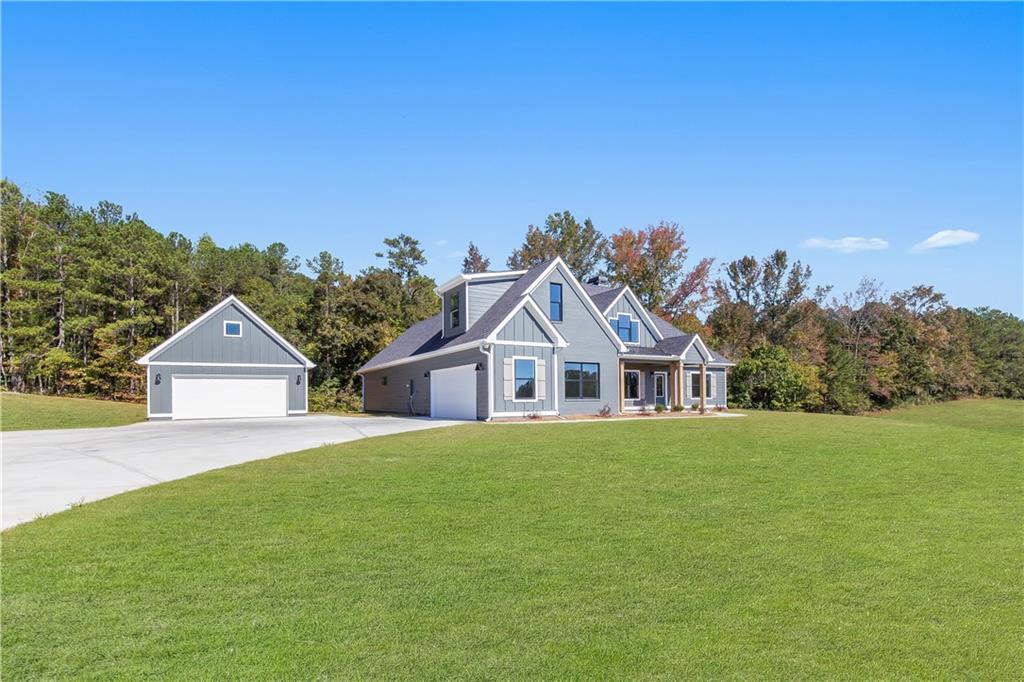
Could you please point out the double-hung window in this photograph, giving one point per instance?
(555, 311)
(627, 328)
(582, 380)
(526, 378)
(453, 307)
(695, 384)
(632, 384)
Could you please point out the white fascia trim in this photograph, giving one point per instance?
(538, 315)
(639, 306)
(147, 358)
(476, 276)
(219, 364)
(584, 296)
(695, 339)
(530, 344)
(527, 413)
(422, 356)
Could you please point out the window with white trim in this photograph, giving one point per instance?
(632, 378)
(626, 327)
(526, 378)
(453, 307)
(232, 328)
(555, 304)
(695, 384)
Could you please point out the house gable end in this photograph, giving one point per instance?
(580, 317)
(524, 328)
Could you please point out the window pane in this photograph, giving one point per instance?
(695, 384)
(233, 328)
(591, 389)
(555, 311)
(634, 332)
(524, 369)
(632, 385)
(524, 389)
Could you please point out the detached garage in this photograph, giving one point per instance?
(226, 364)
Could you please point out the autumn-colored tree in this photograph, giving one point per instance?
(582, 247)
(651, 262)
(474, 260)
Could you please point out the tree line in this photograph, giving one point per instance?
(86, 291)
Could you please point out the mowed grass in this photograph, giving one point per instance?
(23, 412)
(773, 546)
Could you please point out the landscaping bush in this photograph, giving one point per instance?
(769, 379)
(328, 396)
(659, 408)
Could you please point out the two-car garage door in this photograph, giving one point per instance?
(453, 392)
(218, 397)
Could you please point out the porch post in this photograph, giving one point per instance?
(703, 387)
(622, 386)
(681, 381)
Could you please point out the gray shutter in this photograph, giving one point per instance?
(510, 379)
(542, 379)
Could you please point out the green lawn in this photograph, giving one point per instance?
(773, 546)
(24, 411)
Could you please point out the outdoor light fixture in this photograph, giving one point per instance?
(298, 379)
(157, 380)
(479, 366)
(426, 375)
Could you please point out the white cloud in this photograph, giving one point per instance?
(945, 238)
(847, 244)
(456, 254)
(442, 242)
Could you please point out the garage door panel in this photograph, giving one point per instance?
(453, 392)
(205, 397)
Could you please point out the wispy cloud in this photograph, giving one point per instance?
(847, 244)
(946, 238)
(442, 242)
(456, 254)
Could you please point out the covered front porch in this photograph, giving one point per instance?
(646, 382)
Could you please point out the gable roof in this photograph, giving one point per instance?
(230, 300)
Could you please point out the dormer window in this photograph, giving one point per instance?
(453, 310)
(232, 328)
(627, 328)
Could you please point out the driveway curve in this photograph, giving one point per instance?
(48, 471)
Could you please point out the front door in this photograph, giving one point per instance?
(660, 384)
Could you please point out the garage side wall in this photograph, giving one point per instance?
(394, 395)
(160, 393)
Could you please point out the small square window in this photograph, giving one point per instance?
(232, 328)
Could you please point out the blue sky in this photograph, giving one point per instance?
(331, 126)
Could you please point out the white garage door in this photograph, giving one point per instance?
(205, 397)
(453, 392)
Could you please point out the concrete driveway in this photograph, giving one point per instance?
(47, 471)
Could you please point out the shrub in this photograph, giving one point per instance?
(328, 396)
(678, 408)
(659, 408)
(769, 379)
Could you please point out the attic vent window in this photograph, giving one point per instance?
(232, 328)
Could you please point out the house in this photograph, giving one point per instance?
(227, 363)
(539, 342)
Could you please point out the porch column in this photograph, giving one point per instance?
(681, 381)
(703, 387)
(622, 386)
(672, 386)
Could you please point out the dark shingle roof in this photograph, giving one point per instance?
(425, 337)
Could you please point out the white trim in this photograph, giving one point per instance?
(639, 384)
(531, 344)
(298, 412)
(455, 311)
(221, 364)
(489, 352)
(657, 358)
(554, 375)
(147, 358)
(149, 394)
(305, 400)
(532, 359)
(160, 414)
(526, 413)
(240, 333)
(695, 339)
(581, 292)
(538, 314)
(639, 306)
(474, 276)
(422, 356)
(631, 321)
(664, 385)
